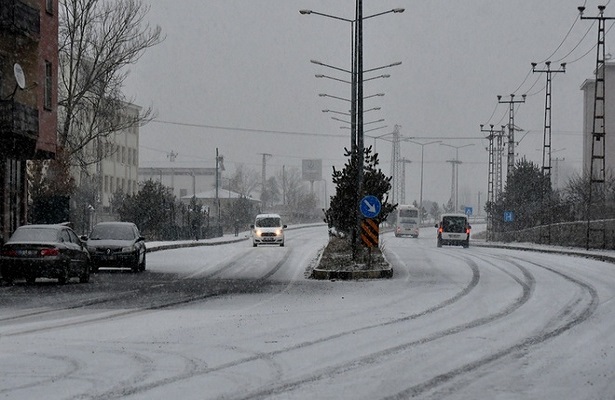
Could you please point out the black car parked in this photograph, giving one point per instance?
(44, 251)
(116, 245)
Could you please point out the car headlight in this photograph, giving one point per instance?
(257, 232)
(278, 232)
(128, 249)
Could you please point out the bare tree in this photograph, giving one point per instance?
(98, 40)
(244, 181)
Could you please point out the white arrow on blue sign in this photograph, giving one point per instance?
(370, 206)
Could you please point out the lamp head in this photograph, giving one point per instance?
(305, 12)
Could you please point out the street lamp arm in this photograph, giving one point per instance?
(308, 12)
(332, 78)
(382, 67)
(330, 66)
(395, 10)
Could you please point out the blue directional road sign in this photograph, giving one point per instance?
(509, 216)
(469, 211)
(370, 206)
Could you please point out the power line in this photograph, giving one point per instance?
(252, 130)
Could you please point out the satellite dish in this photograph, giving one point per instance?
(20, 77)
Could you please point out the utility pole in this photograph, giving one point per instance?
(402, 191)
(454, 181)
(597, 169)
(219, 168)
(264, 178)
(396, 192)
(546, 152)
(491, 181)
(511, 129)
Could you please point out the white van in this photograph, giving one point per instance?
(454, 229)
(407, 221)
(268, 229)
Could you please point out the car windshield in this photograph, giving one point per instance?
(269, 222)
(112, 232)
(409, 213)
(454, 224)
(35, 235)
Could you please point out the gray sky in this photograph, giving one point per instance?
(239, 71)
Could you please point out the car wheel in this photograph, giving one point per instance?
(254, 244)
(282, 244)
(142, 265)
(63, 275)
(85, 274)
(136, 265)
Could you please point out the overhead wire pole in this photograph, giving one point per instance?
(490, 181)
(402, 192)
(395, 170)
(597, 169)
(546, 200)
(511, 129)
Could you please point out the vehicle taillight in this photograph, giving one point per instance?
(468, 231)
(440, 230)
(50, 252)
(9, 253)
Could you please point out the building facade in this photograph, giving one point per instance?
(28, 99)
(184, 181)
(588, 87)
(116, 173)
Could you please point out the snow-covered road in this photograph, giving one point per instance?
(237, 322)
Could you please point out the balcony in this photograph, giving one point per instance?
(19, 18)
(18, 128)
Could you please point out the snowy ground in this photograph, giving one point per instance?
(234, 322)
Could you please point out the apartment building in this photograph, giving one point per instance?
(589, 87)
(28, 99)
(117, 172)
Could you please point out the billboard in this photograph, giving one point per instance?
(311, 170)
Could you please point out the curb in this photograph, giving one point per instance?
(192, 244)
(575, 253)
(323, 274)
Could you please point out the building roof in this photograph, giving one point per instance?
(222, 194)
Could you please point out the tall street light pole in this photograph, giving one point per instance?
(357, 95)
(456, 162)
(422, 163)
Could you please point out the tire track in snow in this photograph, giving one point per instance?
(268, 356)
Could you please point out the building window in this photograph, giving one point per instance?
(49, 6)
(48, 85)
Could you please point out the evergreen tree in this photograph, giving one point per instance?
(344, 205)
(151, 209)
(526, 192)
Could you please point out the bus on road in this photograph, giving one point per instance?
(407, 221)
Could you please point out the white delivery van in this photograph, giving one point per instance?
(268, 229)
(407, 221)
(454, 229)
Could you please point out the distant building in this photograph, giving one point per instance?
(118, 171)
(28, 99)
(588, 88)
(184, 181)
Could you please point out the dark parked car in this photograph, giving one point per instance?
(44, 251)
(116, 244)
